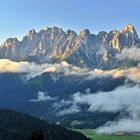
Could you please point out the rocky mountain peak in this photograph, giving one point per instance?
(130, 32)
(71, 32)
(31, 34)
(129, 28)
(11, 42)
(57, 29)
(84, 33)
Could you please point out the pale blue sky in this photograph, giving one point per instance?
(19, 16)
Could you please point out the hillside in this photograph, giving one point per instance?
(19, 126)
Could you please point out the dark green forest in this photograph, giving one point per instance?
(19, 126)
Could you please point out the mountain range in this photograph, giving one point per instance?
(77, 81)
(53, 45)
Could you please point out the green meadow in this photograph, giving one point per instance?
(94, 136)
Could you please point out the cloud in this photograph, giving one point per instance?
(132, 53)
(123, 125)
(10, 66)
(122, 99)
(32, 70)
(132, 73)
(42, 97)
(70, 110)
(66, 107)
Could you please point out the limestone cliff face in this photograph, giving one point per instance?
(86, 49)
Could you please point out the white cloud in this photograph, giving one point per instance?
(33, 70)
(10, 66)
(132, 53)
(68, 107)
(124, 99)
(132, 73)
(119, 99)
(123, 125)
(41, 96)
(70, 110)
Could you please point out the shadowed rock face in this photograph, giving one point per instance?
(86, 49)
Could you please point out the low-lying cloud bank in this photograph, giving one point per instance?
(123, 125)
(122, 99)
(33, 70)
(125, 100)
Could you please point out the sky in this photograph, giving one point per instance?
(17, 17)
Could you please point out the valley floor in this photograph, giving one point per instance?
(91, 134)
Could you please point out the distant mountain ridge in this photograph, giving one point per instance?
(53, 45)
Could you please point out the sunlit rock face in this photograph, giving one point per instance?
(86, 50)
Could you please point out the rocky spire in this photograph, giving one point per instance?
(129, 28)
(31, 33)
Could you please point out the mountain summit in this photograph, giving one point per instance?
(54, 45)
(129, 28)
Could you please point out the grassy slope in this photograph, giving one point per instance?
(91, 134)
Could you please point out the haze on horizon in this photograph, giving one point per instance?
(17, 17)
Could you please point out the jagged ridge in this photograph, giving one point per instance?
(86, 49)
